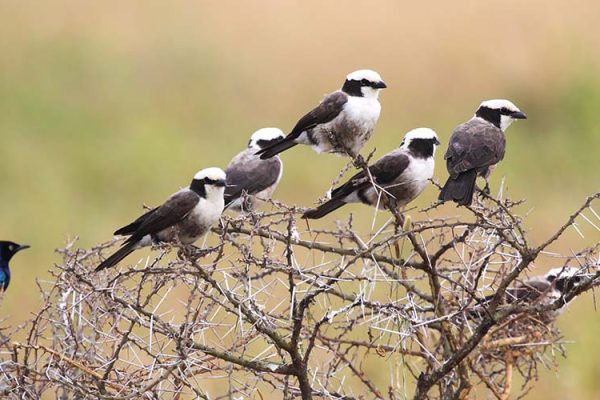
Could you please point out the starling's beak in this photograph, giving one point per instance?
(22, 247)
(518, 115)
(379, 85)
(436, 142)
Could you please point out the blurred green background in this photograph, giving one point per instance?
(108, 105)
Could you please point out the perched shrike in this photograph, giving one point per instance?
(248, 174)
(398, 177)
(476, 147)
(185, 216)
(342, 123)
(542, 290)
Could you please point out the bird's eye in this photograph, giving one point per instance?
(364, 81)
(504, 110)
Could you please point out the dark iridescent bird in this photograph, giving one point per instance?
(7, 251)
(248, 174)
(184, 217)
(342, 123)
(398, 177)
(476, 147)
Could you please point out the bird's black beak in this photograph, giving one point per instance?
(379, 85)
(518, 115)
(436, 141)
(220, 183)
(22, 247)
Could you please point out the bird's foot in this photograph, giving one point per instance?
(486, 189)
(359, 162)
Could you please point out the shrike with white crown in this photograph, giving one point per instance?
(184, 217)
(476, 147)
(541, 290)
(395, 179)
(251, 180)
(342, 123)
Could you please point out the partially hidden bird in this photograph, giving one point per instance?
(250, 179)
(540, 290)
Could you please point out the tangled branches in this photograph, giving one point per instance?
(270, 307)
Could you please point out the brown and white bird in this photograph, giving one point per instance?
(476, 147)
(541, 290)
(251, 180)
(185, 216)
(397, 177)
(342, 123)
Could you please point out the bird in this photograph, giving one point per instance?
(399, 176)
(7, 251)
(475, 148)
(184, 217)
(541, 290)
(248, 174)
(342, 123)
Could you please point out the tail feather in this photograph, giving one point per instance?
(120, 254)
(132, 227)
(459, 189)
(324, 209)
(276, 148)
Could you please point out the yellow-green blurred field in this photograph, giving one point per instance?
(106, 105)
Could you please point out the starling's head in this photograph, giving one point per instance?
(9, 249)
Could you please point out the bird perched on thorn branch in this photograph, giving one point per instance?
(342, 123)
(476, 147)
(184, 217)
(250, 177)
(395, 179)
(541, 290)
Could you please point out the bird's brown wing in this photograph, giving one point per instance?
(474, 145)
(175, 209)
(248, 173)
(327, 110)
(384, 171)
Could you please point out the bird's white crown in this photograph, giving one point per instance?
(213, 173)
(562, 272)
(498, 104)
(420, 133)
(367, 74)
(265, 134)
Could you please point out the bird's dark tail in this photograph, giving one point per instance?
(120, 254)
(324, 209)
(276, 148)
(459, 189)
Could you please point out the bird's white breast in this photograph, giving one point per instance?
(208, 211)
(362, 111)
(417, 174)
